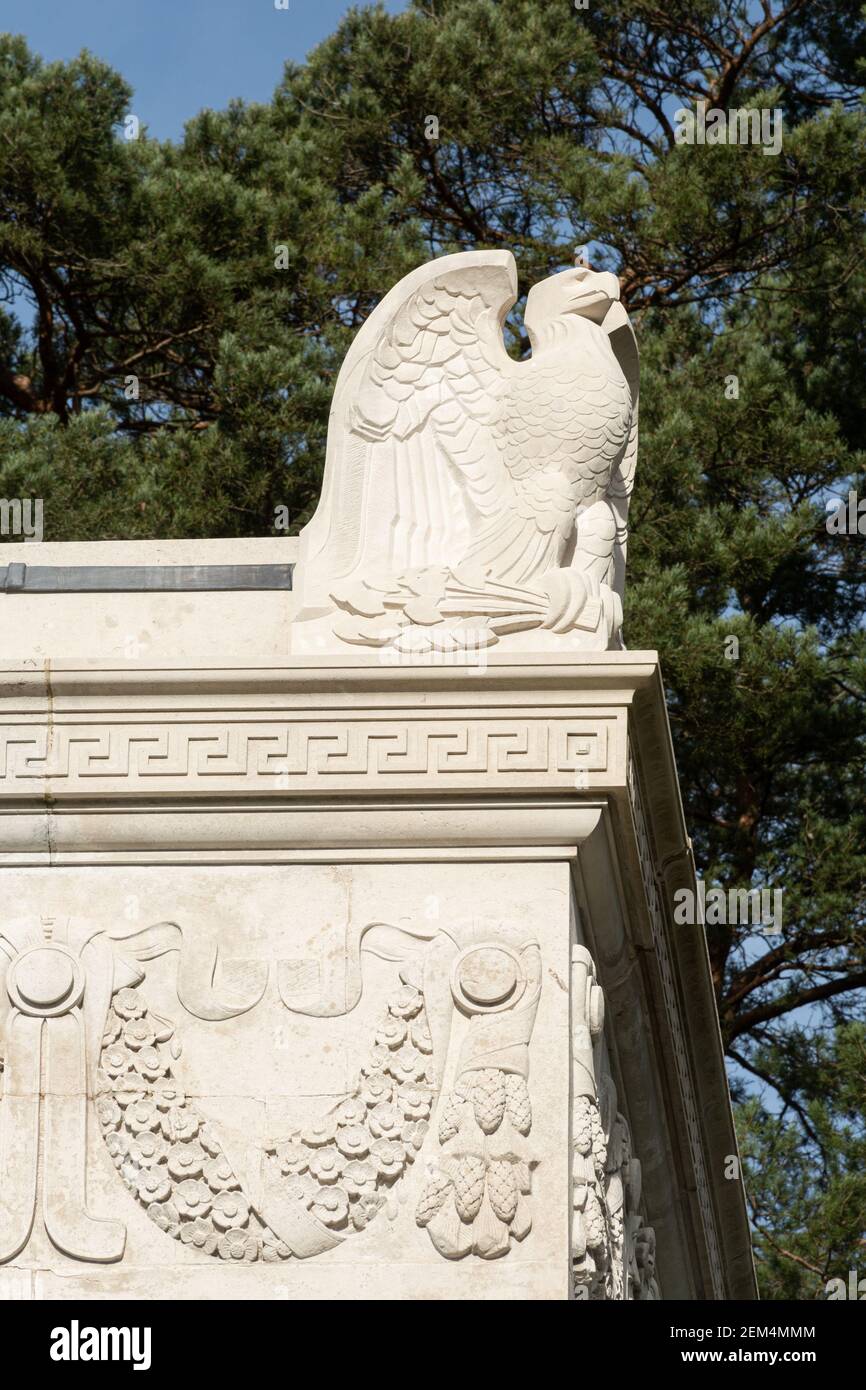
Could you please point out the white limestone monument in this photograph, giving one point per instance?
(337, 957)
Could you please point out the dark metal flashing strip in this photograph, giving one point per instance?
(140, 579)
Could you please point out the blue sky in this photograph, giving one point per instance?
(180, 55)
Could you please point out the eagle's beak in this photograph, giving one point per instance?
(593, 293)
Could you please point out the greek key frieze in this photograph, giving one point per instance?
(278, 755)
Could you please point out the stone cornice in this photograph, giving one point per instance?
(351, 762)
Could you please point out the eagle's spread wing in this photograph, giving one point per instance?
(412, 460)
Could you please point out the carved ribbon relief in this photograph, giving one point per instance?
(74, 1015)
(613, 1251)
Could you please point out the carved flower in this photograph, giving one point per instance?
(180, 1123)
(421, 1036)
(116, 1060)
(147, 1149)
(167, 1095)
(239, 1245)
(414, 1102)
(377, 1087)
(128, 1090)
(366, 1208)
(273, 1249)
(386, 1121)
(150, 1064)
(353, 1141)
(230, 1209)
(118, 1146)
(414, 1133)
(153, 1185)
(407, 1064)
(320, 1131)
(199, 1233)
(331, 1206)
(406, 1003)
(193, 1197)
(128, 1003)
(300, 1189)
(138, 1033)
(359, 1177)
(326, 1165)
(165, 1215)
(109, 1112)
(389, 1157)
(377, 1061)
(218, 1174)
(141, 1114)
(186, 1161)
(351, 1112)
(292, 1157)
(391, 1032)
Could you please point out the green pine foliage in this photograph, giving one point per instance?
(172, 318)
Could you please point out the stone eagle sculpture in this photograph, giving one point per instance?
(468, 496)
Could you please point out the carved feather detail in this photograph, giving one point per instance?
(445, 451)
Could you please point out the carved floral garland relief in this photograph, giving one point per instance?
(613, 1250)
(339, 1168)
(74, 995)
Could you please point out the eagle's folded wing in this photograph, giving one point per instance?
(412, 461)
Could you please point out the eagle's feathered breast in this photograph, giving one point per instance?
(562, 428)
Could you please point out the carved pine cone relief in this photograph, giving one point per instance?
(473, 1200)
